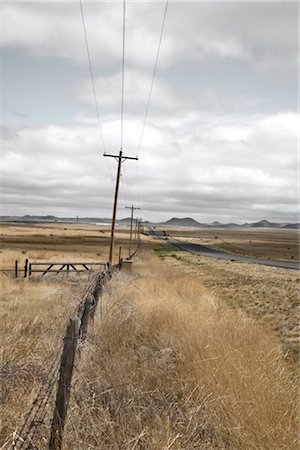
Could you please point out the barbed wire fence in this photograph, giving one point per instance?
(56, 386)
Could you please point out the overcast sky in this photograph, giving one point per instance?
(221, 138)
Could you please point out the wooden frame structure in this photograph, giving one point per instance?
(62, 267)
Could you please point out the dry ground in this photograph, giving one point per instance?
(262, 243)
(270, 295)
(58, 242)
(168, 365)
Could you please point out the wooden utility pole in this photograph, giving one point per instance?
(120, 159)
(131, 226)
(139, 229)
(136, 228)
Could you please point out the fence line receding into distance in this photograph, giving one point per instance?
(37, 421)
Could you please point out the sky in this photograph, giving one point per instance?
(221, 138)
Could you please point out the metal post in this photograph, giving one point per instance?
(16, 268)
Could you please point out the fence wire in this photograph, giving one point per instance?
(36, 417)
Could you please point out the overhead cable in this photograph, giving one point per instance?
(92, 75)
(123, 72)
(153, 75)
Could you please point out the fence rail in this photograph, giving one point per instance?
(42, 267)
(61, 267)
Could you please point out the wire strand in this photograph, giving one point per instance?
(92, 75)
(153, 75)
(123, 73)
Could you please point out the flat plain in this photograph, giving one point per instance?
(260, 243)
(268, 294)
(187, 351)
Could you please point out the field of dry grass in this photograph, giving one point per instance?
(58, 242)
(167, 365)
(269, 295)
(33, 318)
(259, 243)
(34, 311)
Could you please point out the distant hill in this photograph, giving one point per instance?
(292, 226)
(185, 222)
(174, 222)
(125, 221)
(264, 224)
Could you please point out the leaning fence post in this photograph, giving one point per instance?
(88, 306)
(64, 384)
(25, 268)
(16, 268)
(97, 294)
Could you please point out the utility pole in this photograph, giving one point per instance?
(139, 229)
(120, 159)
(136, 228)
(131, 225)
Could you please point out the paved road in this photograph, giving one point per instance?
(212, 253)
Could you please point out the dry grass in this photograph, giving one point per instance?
(260, 243)
(166, 364)
(33, 318)
(167, 367)
(269, 295)
(34, 312)
(59, 241)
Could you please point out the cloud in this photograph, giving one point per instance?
(264, 35)
(137, 87)
(212, 148)
(205, 166)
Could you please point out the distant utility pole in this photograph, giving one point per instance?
(120, 159)
(131, 226)
(139, 229)
(136, 228)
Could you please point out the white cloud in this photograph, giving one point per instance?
(203, 172)
(262, 34)
(200, 155)
(137, 87)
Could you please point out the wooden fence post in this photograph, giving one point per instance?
(64, 385)
(97, 294)
(16, 268)
(88, 306)
(26, 268)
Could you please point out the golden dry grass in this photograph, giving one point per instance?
(268, 294)
(168, 367)
(58, 242)
(256, 242)
(33, 318)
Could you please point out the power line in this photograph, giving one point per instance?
(91, 74)
(153, 75)
(123, 71)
